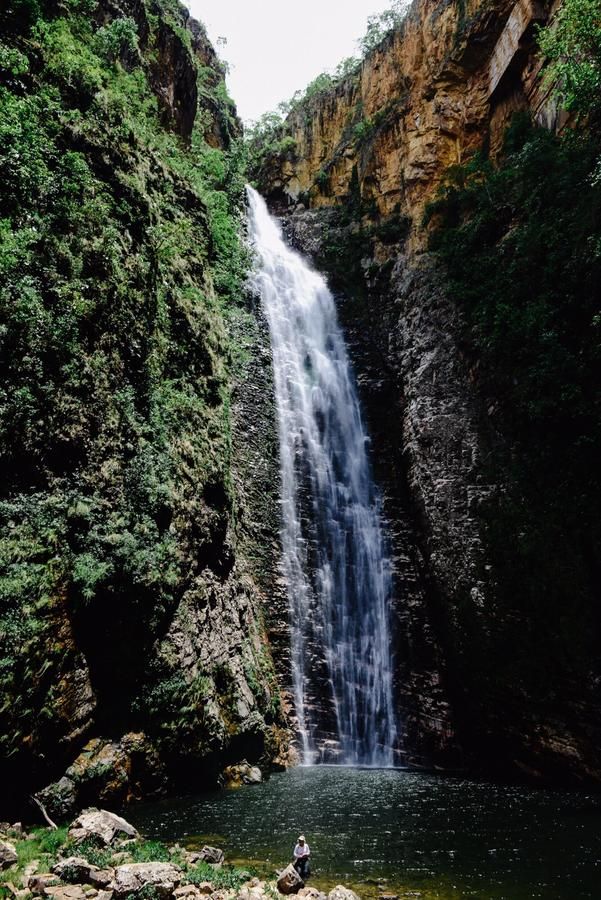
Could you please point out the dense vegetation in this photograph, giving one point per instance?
(120, 260)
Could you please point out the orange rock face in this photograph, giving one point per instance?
(436, 90)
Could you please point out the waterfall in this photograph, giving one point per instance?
(335, 564)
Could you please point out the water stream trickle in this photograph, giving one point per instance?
(335, 564)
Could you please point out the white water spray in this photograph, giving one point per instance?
(336, 569)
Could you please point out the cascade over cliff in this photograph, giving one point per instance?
(133, 650)
(475, 366)
(143, 616)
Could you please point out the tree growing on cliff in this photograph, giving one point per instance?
(571, 44)
(382, 24)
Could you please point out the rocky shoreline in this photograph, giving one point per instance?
(100, 856)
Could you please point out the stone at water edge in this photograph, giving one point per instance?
(290, 882)
(100, 825)
(211, 855)
(8, 855)
(242, 773)
(340, 892)
(253, 776)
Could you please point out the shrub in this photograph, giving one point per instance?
(571, 45)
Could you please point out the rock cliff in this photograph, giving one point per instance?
(353, 180)
(133, 649)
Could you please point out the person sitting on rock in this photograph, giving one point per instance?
(301, 857)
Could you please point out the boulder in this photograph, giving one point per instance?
(101, 878)
(212, 855)
(290, 882)
(15, 830)
(38, 883)
(109, 770)
(312, 893)
(242, 773)
(59, 799)
(66, 892)
(189, 892)
(164, 878)
(101, 827)
(206, 887)
(247, 892)
(19, 893)
(8, 855)
(342, 893)
(74, 869)
(30, 869)
(253, 776)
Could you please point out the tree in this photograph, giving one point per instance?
(380, 25)
(571, 44)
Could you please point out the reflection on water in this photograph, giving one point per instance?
(445, 838)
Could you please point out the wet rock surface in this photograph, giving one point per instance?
(242, 773)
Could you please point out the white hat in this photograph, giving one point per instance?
(301, 837)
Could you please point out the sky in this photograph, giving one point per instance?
(276, 47)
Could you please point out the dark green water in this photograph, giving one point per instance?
(442, 838)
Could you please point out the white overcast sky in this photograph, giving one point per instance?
(275, 47)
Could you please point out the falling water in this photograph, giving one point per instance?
(336, 569)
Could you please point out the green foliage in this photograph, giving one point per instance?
(12, 61)
(43, 845)
(347, 67)
(380, 25)
(225, 878)
(91, 851)
(522, 246)
(176, 708)
(363, 130)
(571, 44)
(120, 255)
(265, 139)
(116, 38)
(322, 180)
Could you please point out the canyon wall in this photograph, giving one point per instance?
(479, 681)
(133, 649)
